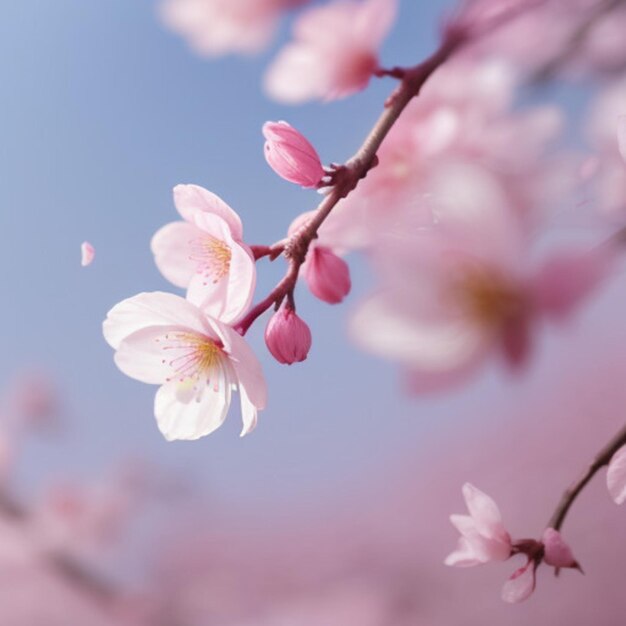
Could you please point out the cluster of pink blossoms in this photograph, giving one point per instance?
(192, 347)
(484, 538)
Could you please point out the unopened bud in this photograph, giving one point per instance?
(327, 275)
(291, 155)
(287, 337)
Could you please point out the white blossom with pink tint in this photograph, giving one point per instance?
(87, 253)
(557, 553)
(218, 27)
(163, 339)
(288, 337)
(521, 584)
(206, 254)
(334, 51)
(291, 155)
(483, 535)
(616, 476)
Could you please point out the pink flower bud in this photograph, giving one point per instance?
(557, 552)
(291, 155)
(287, 337)
(327, 275)
(87, 253)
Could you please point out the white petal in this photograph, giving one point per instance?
(152, 309)
(184, 415)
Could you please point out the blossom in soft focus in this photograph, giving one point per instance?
(327, 275)
(287, 336)
(621, 136)
(218, 27)
(556, 552)
(163, 339)
(616, 476)
(334, 51)
(33, 401)
(453, 293)
(206, 254)
(291, 155)
(483, 535)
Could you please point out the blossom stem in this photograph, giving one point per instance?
(571, 493)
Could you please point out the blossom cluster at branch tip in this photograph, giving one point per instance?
(484, 538)
(287, 336)
(334, 51)
(291, 155)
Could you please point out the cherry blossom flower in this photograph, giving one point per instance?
(287, 336)
(206, 254)
(483, 535)
(520, 584)
(87, 253)
(616, 476)
(163, 339)
(334, 52)
(291, 155)
(453, 293)
(218, 27)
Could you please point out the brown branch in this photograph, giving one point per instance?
(601, 459)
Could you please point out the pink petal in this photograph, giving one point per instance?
(152, 309)
(566, 279)
(190, 199)
(520, 585)
(485, 512)
(88, 253)
(556, 552)
(621, 136)
(171, 248)
(616, 476)
(463, 556)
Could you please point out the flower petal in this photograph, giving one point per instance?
(171, 246)
(152, 309)
(190, 199)
(520, 585)
(193, 415)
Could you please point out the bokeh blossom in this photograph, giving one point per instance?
(334, 51)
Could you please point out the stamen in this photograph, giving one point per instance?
(213, 257)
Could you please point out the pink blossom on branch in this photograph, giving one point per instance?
(163, 339)
(327, 275)
(291, 155)
(287, 336)
(206, 254)
(334, 52)
(483, 535)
